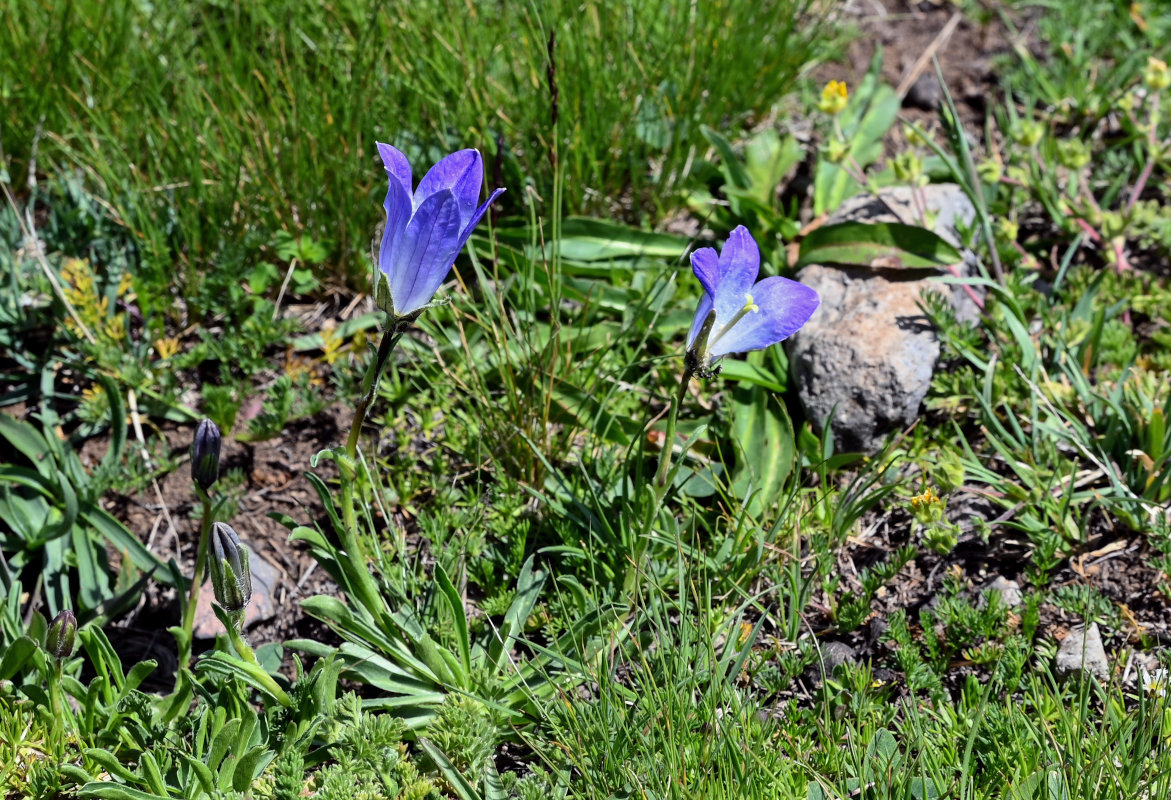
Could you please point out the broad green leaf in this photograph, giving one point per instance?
(463, 788)
(115, 791)
(734, 172)
(15, 656)
(249, 767)
(885, 244)
(110, 763)
(29, 441)
(597, 240)
(766, 446)
(528, 590)
(201, 772)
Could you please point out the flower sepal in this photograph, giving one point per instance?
(231, 579)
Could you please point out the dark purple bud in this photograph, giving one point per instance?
(231, 580)
(62, 631)
(205, 454)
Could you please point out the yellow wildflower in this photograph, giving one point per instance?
(833, 98)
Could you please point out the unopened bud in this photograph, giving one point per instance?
(1028, 132)
(205, 454)
(231, 580)
(62, 631)
(1156, 76)
(1073, 153)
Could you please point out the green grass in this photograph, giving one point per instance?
(210, 129)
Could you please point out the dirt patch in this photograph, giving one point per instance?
(268, 479)
(909, 34)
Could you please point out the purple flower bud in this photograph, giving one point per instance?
(231, 580)
(62, 631)
(205, 454)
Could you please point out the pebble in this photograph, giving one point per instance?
(1082, 653)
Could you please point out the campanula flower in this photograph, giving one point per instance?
(426, 228)
(737, 313)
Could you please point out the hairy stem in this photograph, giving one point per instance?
(196, 580)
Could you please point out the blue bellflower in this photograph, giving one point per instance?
(737, 313)
(426, 228)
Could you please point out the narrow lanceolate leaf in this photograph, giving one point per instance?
(886, 245)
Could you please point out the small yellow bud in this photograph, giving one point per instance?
(1155, 76)
(928, 507)
(1073, 153)
(1028, 132)
(835, 151)
(167, 347)
(914, 137)
(907, 167)
(990, 171)
(833, 98)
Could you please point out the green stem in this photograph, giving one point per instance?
(244, 650)
(55, 689)
(196, 580)
(363, 584)
(660, 483)
(370, 383)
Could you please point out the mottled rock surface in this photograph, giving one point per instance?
(868, 353)
(1081, 653)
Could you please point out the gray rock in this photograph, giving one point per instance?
(925, 93)
(1009, 591)
(835, 654)
(1081, 653)
(868, 354)
(831, 655)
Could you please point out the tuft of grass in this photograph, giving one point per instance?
(214, 129)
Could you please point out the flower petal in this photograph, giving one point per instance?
(398, 209)
(705, 307)
(397, 166)
(706, 266)
(460, 173)
(784, 305)
(477, 215)
(425, 252)
(739, 266)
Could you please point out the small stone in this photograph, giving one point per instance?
(925, 93)
(831, 655)
(835, 654)
(1009, 591)
(1082, 653)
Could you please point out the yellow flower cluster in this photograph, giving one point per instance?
(834, 98)
(92, 308)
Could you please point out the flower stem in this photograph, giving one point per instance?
(244, 650)
(55, 689)
(390, 338)
(660, 483)
(196, 580)
(363, 584)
